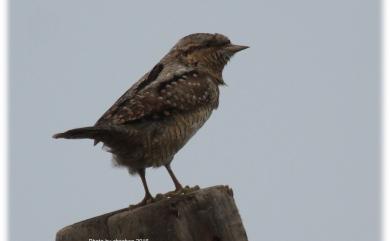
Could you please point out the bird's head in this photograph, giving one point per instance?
(205, 50)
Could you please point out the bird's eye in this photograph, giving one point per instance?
(186, 53)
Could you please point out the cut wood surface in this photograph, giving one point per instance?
(208, 214)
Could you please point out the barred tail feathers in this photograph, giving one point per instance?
(81, 133)
(109, 135)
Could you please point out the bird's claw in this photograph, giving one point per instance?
(181, 191)
(145, 201)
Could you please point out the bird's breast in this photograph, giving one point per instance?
(174, 133)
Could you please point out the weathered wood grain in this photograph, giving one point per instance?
(208, 214)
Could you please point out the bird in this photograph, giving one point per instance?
(160, 112)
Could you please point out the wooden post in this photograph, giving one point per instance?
(208, 214)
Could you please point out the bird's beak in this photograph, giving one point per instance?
(235, 48)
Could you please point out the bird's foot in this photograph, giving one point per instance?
(145, 201)
(176, 192)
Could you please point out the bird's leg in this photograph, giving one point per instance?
(148, 197)
(178, 186)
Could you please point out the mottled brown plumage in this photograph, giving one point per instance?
(156, 117)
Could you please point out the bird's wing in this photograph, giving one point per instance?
(182, 92)
(129, 94)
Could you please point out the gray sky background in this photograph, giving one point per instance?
(296, 135)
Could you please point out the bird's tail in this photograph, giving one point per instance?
(109, 135)
(90, 132)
